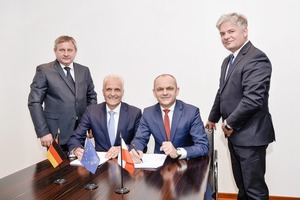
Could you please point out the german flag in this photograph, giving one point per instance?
(55, 154)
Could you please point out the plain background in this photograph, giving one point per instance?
(140, 39)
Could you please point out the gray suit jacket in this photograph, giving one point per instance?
(242, 98)
(54, 104)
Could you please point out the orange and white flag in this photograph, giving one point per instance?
(126, 158)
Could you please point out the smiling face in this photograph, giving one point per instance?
(113, 92)
(165, 90)
(232, 36)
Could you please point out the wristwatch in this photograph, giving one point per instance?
(229, 128)
(179, 153)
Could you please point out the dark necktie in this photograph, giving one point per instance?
(231, 57)
(167, 123)
(111, 127)
(69, 76)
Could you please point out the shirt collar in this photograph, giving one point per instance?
(116, 110)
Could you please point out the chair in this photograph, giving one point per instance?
(213, 167)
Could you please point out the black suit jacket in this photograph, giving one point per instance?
(54, 104)
(95, 118)
(242, 98)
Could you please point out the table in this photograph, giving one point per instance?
(176, 179)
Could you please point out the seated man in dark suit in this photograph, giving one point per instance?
(177, 127)
(97, 118)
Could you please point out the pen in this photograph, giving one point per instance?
(136, 151)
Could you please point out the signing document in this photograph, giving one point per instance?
(101, 157)
(151, 161)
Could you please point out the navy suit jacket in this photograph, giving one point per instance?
(187, 129)
(53, 103)
(243, 97)
(95, 118)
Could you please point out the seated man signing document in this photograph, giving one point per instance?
(107, 120)
(177, 127)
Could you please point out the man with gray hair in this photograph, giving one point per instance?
(242, 103)
(98, 118)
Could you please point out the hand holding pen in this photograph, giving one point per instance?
(137, 152)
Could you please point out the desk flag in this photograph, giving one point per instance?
(90, 159)
(55, 154)
(127, 161)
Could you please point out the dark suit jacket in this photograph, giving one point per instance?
(243, 96)
(187, 129)
(62, 105)
(95, 118)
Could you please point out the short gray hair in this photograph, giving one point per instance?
(113, 76)
(238, 19)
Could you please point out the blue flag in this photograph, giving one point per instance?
(90, 159)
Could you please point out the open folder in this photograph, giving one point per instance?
(150, 161)
(101, 157)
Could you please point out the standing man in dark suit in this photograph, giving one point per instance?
(97, 117)
(60, 92)
(183, 136)
(242, 102)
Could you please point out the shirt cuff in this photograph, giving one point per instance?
(184, 153)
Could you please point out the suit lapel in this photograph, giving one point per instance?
(62, 74)
(122, 120)
(177, 113)
(104, 122)
(239, 57)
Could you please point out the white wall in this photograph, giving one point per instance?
(139, 40)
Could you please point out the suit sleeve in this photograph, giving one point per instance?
(199, 138)
(79, 135)
(91, 94)
(38, 90)
(255, 84)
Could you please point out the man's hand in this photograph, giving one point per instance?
(136, 156)
(78, 152)
(113, 152)
(226, 131)
(46, 140)
(169, 149)
(210, 125)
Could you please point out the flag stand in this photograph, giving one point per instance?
(91, 186)
(60, 180)
(122, 189)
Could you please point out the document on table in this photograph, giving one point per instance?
(101, 157)
(151, 161)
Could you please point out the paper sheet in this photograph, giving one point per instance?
(151, 161)
(100, 154)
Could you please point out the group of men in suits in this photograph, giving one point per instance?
(241, 101)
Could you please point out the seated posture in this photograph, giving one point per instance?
(177, 127)
(107, 120)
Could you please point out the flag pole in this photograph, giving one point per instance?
(122, 189)
(91, 185)
(60, 180)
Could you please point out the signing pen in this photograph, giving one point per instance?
(136, 151)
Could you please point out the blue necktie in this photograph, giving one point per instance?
(111, 127)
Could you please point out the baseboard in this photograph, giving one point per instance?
(234, 196)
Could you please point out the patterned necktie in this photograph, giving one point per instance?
(167, 123)
(69, 77)
(111, 127)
